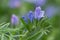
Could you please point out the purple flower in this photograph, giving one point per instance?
(40, 2)
(30, 16)
(14, 19)
(37, 2)
(25, 19)
(50, 11)
(38, 13)
(14, 3)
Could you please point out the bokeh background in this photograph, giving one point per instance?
(22, 7)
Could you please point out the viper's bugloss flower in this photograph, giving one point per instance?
(14, 3)
(38, 13)
(14, 20)
(30, 16)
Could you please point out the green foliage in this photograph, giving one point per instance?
(25, 31)
(44, 29)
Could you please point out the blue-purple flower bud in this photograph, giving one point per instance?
(31, 16)
(25, 19)
(14, 20)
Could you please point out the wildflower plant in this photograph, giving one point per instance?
(36, 24)
(33, 26)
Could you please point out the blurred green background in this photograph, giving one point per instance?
(51, 8)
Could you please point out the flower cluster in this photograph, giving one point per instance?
(37, 14)
(29, 16)
(31, 20)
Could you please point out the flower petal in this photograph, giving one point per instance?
(37, 12)
(30, 16)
